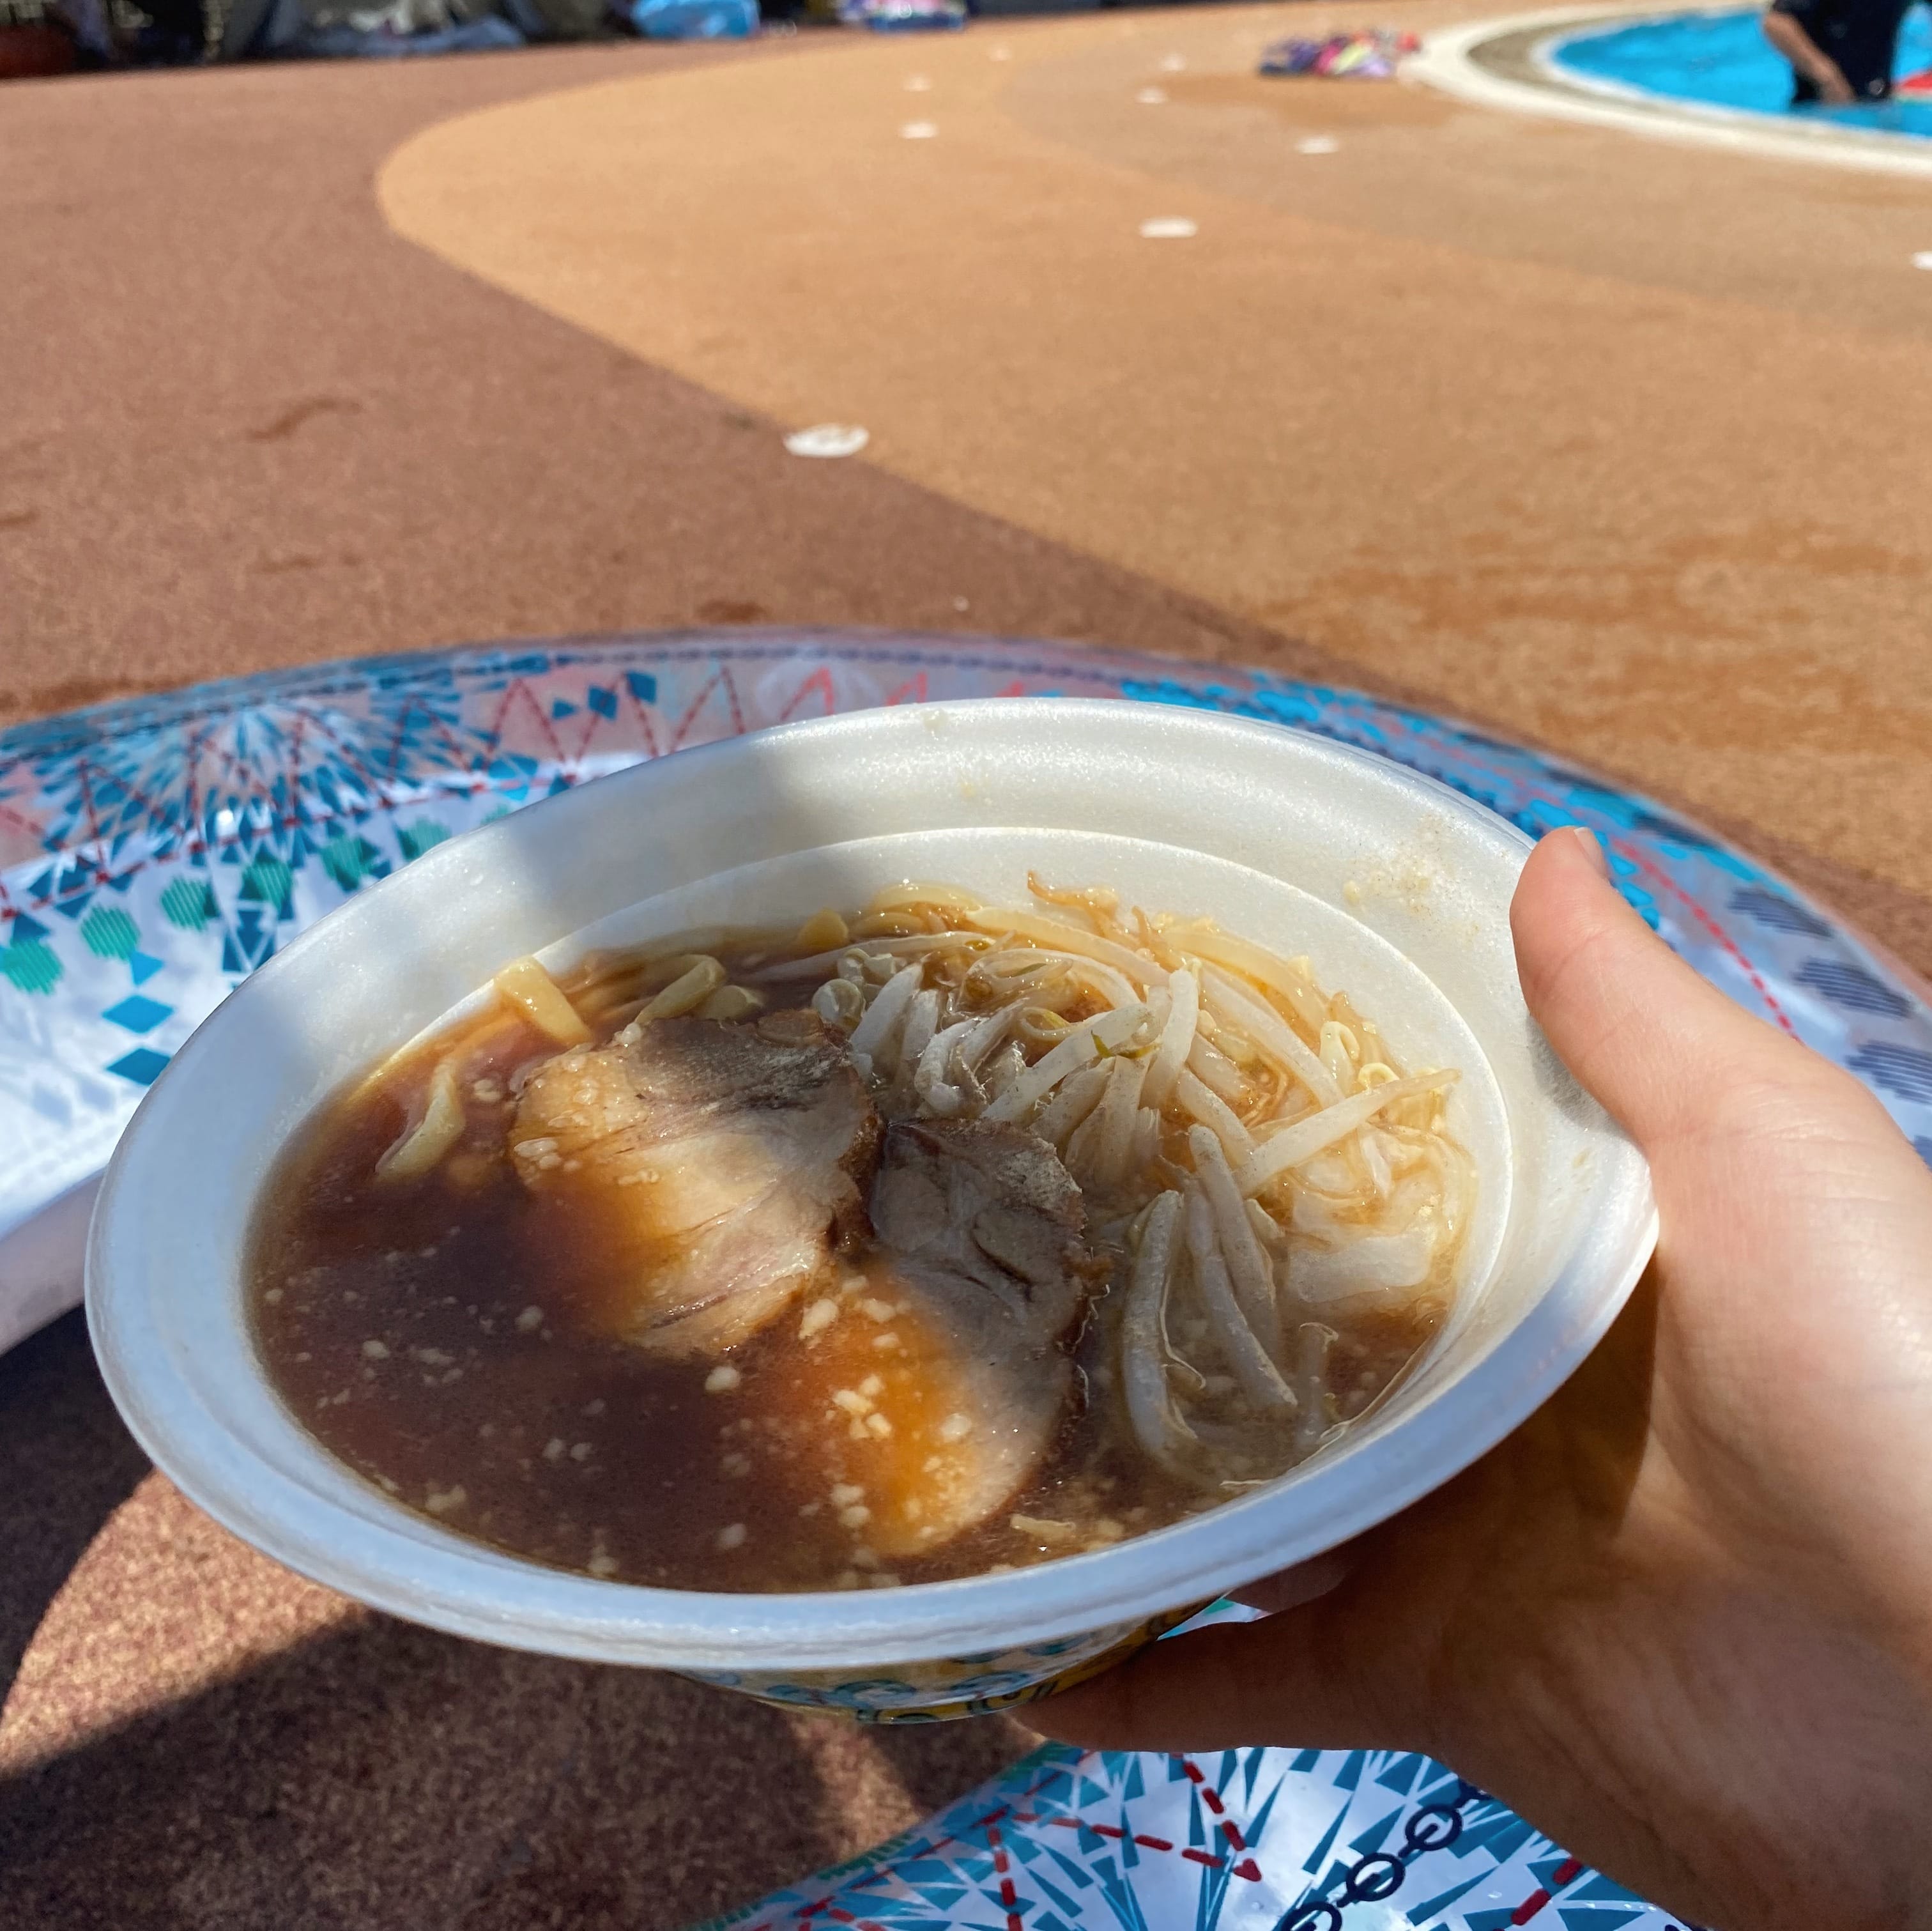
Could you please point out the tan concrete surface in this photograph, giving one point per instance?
(1615, 445)
(1623, 445)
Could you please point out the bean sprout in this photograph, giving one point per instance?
(1269, 1031)
(1376, 1271)
(1247, 1265)
(910, 945)
(1057, 937)
(1194, 1098)
(887, 1009)
(1146, 1149)
(928, 1079)
(1113, 1122)
(1077, 1096)
(1340, 1051)
(1004, 1071)
(1216, 1071)
(1257, 1169)
(840, 1003)
(1176, 1036)
(1290, 978)
(1295, 1144)
(1040, 1026)
(1083, 1042)
(1314, 1340)
(1099, 902)
(1099, 977)
(921, 1023)
(1260, 1380)
(1158, 1423)
(1180, 1072)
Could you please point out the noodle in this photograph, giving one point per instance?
(529, 988)
(822, 929)
(687, 993)
(426, 1142)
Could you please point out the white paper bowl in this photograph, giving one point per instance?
(1399, 888)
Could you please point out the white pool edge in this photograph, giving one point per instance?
(1446, 63)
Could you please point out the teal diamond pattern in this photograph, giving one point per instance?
(143, 1066)
(137, 1013)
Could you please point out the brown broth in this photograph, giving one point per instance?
(403, 1325)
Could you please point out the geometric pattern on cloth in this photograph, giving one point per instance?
(153, 852)
(1233, 1840)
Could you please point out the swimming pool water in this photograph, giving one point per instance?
(1724, 60)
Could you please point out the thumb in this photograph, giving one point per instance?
(1639, 1029)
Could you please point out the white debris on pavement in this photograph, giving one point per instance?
(828, 439)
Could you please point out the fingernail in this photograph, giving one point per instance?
(1593, 848)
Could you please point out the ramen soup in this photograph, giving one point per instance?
(929, 1240)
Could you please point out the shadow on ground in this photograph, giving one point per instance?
(69, 1465)
(380, 1775)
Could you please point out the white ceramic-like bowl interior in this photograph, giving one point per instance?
(1398, 887)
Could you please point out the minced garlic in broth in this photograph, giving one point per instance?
(409, 1325)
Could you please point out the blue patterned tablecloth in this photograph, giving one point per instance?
(1237, 1840)
(153, 852)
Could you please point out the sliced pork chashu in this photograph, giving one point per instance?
(964, 1206)
(941, 1379)
(695, 1175)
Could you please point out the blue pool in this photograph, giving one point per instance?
(1723, 60)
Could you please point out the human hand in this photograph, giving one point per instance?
(1834, 89)
(1681, 1619)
